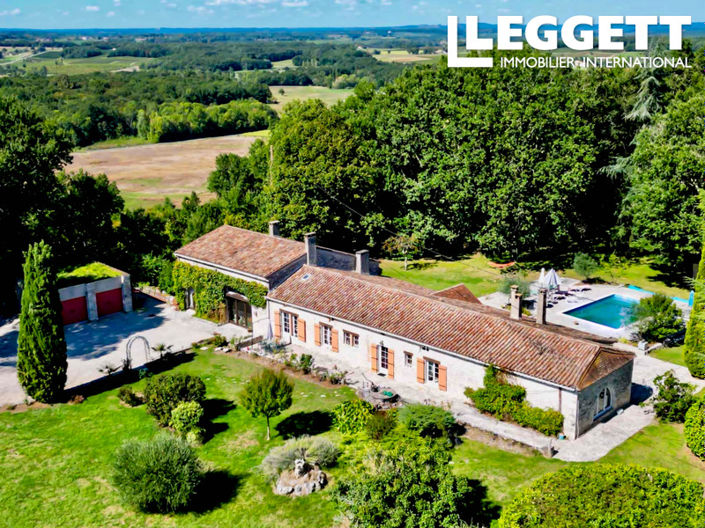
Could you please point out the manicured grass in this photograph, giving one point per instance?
(640, 274)
(481, 278)
(672, 355)
(88, 273)
(475, 272)
(56, 463)
(303, 93)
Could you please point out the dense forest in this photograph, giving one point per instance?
(520, 164)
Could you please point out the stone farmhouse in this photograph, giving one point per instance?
(335, 305)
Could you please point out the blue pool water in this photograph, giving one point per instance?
(614, 311)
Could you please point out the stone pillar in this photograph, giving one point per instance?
(274, 228)
(126, 293)
(515, 300)
(362, 262)
(91, 302)
(541, 306)
(311, 249)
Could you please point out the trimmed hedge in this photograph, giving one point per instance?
(614, 496)
(508, 402)
(695, 428)
(209, 287)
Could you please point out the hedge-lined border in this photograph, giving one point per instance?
(209, 287)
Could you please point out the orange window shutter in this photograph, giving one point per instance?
(302, 330)
(443, 378)
(334, 341)
(420, 370)
(277, 325)
(373, 358)
(390, 368)
(317, 334)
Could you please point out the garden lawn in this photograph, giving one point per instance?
(475, 272)
(672, 355)
(55, 464)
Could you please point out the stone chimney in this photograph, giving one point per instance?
(515, 310)
(362, 262)
(541, 306)
(311, 250)
(274, 228)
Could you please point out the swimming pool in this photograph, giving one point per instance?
(614, 311)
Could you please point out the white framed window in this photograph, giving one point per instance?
(326, 334)
(408, 359)
(383, 357)
(603, 402)
(432, 368)
(350, 339)
(290, 324)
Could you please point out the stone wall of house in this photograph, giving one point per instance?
(619, 383)
(461, 372)
(276, 278)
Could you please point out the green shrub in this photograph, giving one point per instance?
(351, 416)
(186, 417)
(128, 397)
(508, 402)
(160, 475)
(658, 317)
(163, 393)
(381, 423)
(695, 428)
(427, 420)
(673, 399)
(319, 451)
(615, 496)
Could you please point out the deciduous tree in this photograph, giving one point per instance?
(267, 394)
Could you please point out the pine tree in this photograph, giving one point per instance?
(41, 347)
(695, 336)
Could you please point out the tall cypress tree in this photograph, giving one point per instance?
(695, 336)
(41, 347)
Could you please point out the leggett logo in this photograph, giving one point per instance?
(541, 33)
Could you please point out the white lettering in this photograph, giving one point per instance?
(505, 32)
(587, 36)
(675, 29)
(607, 33)
(641, 29)
(550, 40)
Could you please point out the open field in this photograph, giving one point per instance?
(291, 93)
(401, 56)
(146, 174)
(88, 65)
(57, 463)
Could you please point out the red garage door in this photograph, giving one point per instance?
(109, 302)
(74, 310)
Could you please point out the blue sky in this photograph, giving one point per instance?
(308, 13)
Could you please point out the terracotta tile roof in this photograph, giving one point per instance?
(486, 334)
(242, 250)
(459, 292)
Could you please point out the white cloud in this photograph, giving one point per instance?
(92, 8)
(110, 14)
(117, 3)
(295, 3)
(11, 12)
(200, 10)
(238, 2)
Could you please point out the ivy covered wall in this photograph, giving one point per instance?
(209, 287)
